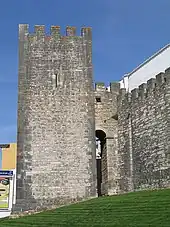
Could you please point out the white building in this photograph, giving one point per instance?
(157, 63)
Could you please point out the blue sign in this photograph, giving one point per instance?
(6, 173)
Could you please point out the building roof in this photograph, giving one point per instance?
(148, 60)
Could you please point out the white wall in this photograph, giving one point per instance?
(156, 65)
(124, 83)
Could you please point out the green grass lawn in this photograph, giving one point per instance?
(147, 208)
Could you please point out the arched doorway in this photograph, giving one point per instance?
(101, 159)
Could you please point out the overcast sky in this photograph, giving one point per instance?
(125, 33)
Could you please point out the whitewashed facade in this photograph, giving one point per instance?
(157, 63)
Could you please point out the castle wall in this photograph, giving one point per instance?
(144, 135)
(124, 143)
(56, 128)
(106, 120)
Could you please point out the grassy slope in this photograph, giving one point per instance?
(130, 210)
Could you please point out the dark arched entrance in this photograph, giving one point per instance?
(100, 155)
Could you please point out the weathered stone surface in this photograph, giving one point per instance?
(56, 124)
(106, 121)
(59, 112)
(144, 136)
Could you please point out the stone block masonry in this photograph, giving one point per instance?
(56, 124)
(106, 123)
(144, 135)
(60, 113)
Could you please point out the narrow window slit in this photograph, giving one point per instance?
(55, 81)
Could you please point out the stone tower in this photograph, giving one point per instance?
(56, 118)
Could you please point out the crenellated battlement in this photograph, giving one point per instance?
(100, 86)
(150, 87)
(59, 113)
(122, 93)
(143, 133)
(113, 87)
(40, 31)
(55, 101)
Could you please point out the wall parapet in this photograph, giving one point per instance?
(143, 134)
(114, 87)
(70, 31)
(146, 89)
